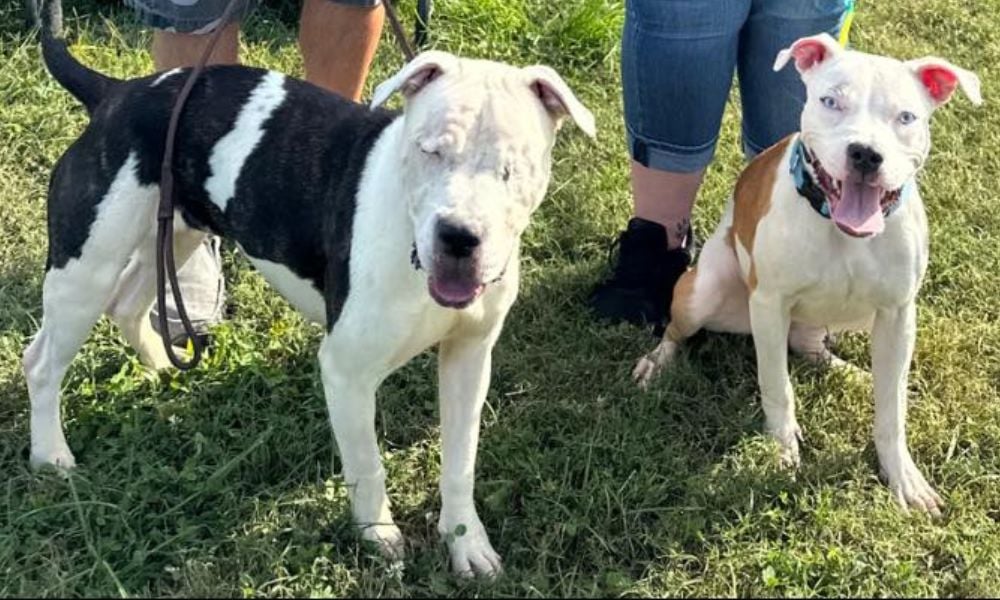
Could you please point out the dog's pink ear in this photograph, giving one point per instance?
(415, 76)
(941, 78)
(558, 99)
(808, 52)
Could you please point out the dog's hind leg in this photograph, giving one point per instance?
(136, 291)
(74, 294)
(711, 295)
(810, 342)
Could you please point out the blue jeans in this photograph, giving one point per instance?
(200, 16)
(678, 58)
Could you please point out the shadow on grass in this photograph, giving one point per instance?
(226, 474)
(223, 480)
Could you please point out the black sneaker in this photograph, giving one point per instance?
(641, 286)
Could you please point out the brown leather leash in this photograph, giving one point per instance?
(165, 266)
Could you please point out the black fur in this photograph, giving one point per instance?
(294, 199)
(87, 85)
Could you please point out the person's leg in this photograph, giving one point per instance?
(171, 49)
(181, 29)
(665, 198)
(338, 40)
(772, 102)
(677, 67)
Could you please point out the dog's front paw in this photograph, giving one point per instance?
(387, 539)
(788, 437)
(56, 455)
(911, 489)
(471, 552)
(649, 366)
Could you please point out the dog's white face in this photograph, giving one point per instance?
(867, 121)
(477, 138)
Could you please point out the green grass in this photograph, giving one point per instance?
(225, 481)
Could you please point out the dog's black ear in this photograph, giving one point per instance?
(415, 76)
(558, 99)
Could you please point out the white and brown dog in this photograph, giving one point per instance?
(827, 232)
(397, 232)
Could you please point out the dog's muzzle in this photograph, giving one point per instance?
(456, 288)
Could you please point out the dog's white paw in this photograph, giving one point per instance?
(645, 371)
(55, 455)
(911, 489)
(387, 539)
(849, 368)
(651, 365)
(471, 552)
(788, 437)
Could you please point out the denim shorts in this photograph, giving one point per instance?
(678, 59)
(200, 16)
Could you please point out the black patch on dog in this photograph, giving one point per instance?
(294, 199)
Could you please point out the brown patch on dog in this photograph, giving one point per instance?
(752, 200)
(681, 324)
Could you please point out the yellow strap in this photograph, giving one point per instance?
(845, 27)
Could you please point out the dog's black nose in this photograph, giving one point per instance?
(456, 241)
(864, 158)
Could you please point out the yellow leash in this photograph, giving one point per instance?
(845, 27)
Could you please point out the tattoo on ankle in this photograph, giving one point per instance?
(676, 238)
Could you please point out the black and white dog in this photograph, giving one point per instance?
(335, 204)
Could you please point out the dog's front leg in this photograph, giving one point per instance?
(349, 386)
(464, 378)
(893, 335)
(770, 319)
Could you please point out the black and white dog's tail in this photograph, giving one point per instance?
(87, 85)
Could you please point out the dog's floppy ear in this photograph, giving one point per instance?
(940, 78)
(425, 68)
(808, 52)
(558, 99)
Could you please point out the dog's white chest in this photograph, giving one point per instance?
(837, 281)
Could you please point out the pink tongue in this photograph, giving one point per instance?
(859, 211)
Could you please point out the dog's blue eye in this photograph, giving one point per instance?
(829, 102)
(906, 117)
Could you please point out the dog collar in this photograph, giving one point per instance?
(816, 193)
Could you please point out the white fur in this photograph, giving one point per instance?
(299, 292)
(164, 76)
(73, 299)
(232, 151)
(811, 277)
(495, 137)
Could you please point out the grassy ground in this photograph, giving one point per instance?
(225, 482)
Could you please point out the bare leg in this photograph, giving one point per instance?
(171, 50)
(338, 43)
(666, 198)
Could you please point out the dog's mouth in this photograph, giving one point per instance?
(858, 205)
(454, 283)
(452, 292)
